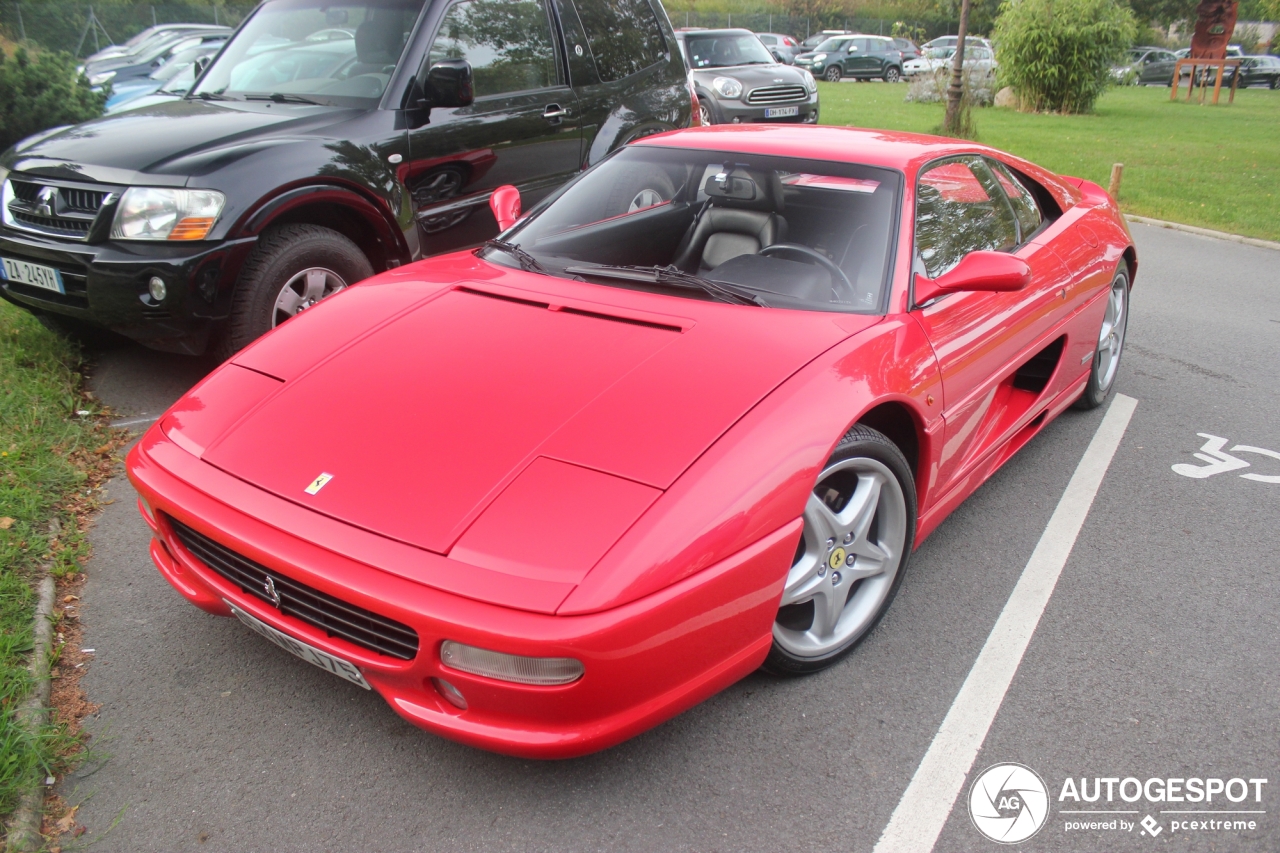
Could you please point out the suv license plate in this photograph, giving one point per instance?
(781, 112)
(310, 654)
(36, 275)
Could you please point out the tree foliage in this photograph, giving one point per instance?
(1057, 54)
(41, 92)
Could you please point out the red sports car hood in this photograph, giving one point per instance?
(422, 422)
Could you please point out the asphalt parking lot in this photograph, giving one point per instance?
(1157, 656)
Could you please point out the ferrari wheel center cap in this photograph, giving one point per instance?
(836, 560)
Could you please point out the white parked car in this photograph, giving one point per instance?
(977, 58)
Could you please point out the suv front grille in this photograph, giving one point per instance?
(777, 95)
(56, 208)
(335, 617)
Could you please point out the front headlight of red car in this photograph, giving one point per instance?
(546, 672)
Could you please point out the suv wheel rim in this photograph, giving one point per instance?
(303, 290)
(833, 75)
(704, 114)
(645, 198)
(855, 531)
(892, 75)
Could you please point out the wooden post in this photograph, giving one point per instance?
(1235, 78)
(1117, 169)
(1217, 83)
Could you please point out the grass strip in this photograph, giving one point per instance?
(1213, 166)
(55, 446)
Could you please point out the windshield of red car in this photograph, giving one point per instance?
(314, 51)
(788, 233)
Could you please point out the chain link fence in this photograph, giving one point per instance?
(81, 29)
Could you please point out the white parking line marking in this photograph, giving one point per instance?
(925, 805)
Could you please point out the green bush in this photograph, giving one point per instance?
(42, 91)
(1057, 54)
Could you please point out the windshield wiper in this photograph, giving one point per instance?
(672, 276)
(212, 96)
(282, 98)
(527, 262)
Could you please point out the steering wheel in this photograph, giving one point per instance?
(839, 280)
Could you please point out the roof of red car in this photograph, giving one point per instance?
(889, 148)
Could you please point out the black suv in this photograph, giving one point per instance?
(324, 143)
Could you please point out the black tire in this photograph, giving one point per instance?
(832, 74)
(860, 443)
(892, 74)
(1099, 387)
(281, 254)
(1275, 83)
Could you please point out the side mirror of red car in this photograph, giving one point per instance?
(505, 204)
(990, 271)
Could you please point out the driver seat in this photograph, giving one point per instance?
(743, 216)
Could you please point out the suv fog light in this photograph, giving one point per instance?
(737, 120)
(521, 670)
(157, 288)
(452, 694)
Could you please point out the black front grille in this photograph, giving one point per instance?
(55, 208)
(777, 95)
(335, 617)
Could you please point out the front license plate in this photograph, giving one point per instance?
(781, 112)
(310, 654)
(36, 275)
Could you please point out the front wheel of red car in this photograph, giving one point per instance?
(859, 529)
(1106, 358)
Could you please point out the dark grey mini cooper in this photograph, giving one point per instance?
(738, 80)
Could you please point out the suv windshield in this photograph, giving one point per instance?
(727, 50)
(312, 51)
(773, 231)
(833, 45)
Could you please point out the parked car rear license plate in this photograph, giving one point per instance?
(781, 112)
(36, 275)
(310, 654)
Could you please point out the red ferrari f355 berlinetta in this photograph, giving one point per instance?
(686, 418)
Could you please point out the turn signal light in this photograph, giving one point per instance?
(504, 667)
(192, 228)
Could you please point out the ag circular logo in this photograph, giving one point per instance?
(1008, 803)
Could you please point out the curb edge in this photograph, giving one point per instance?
(24, 829)
(1204, 232)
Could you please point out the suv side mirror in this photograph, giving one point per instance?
(446, 83)
(986, 271)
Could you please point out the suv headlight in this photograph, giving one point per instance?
(810, 84)
(726, 87)
(146, 213)
(818, 57)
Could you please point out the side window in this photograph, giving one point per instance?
(507, 42)
(624, 36)
(769, 39)
(958, 211)
(1024, 203)
(860, 45)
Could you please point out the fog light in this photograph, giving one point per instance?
(517, 668)
(157, 288)
(737, 120)
(452, 694)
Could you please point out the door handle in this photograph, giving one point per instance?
(554, 111)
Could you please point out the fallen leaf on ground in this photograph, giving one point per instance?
(6, 523)
(67, 822)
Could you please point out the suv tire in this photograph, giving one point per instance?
(832, 74)
(892, 74)
(284, 258)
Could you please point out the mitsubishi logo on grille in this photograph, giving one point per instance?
(45, 200)
(270, 588)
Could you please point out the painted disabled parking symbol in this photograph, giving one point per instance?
(1218, 462)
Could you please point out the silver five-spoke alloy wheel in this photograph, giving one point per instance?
(303, 290)
(855, 532)
(1111, 336)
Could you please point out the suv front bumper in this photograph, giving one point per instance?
(736, 112)
(107, 285)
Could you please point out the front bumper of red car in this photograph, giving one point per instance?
(644, 662)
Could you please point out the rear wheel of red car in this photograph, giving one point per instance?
(832, 74)
(859, 528)
(292, 268)
(1106, 358)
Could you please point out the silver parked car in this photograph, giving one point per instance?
(738, 81)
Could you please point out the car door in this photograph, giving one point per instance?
(522, 129)
(860, 62)
(980, 339)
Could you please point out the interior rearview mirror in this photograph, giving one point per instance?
(505, 204)
(446, 83)
(989, 271)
